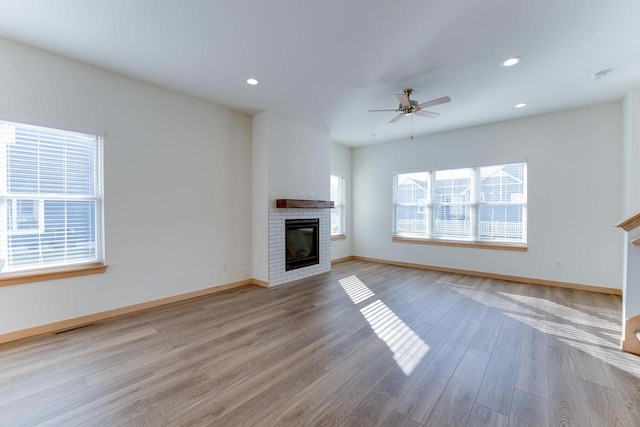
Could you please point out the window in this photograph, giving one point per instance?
(50, 198)
(482, 204)
(25, 216)
(452, 195)
(337, 213)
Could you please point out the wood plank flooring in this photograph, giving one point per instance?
(364, 345)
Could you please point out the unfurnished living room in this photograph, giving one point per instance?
(290, 213)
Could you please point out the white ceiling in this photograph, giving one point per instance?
(327, 62)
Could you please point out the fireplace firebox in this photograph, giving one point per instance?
(301, 242)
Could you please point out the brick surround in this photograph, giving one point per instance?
(277, 273)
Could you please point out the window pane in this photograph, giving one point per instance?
(502, 183)
(412, 188)
(452, 212)
(453, 186)
(68, 235)
(412, 204)
(27, 215)
(452, 222)
(336, 220)
(412, 220)
(335, 188)
(503, 199)
(45, 162)
(501, 222)
(337, 196)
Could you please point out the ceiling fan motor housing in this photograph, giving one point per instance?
(409, 109)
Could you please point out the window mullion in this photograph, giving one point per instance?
(475, 204)
(431, 204)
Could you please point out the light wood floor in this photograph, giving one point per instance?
(364, 345)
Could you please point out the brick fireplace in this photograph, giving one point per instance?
(278, 272)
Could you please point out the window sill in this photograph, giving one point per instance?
(477, 245)
(51, 274)
(338, 237)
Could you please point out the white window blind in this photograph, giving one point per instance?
(338, 211)
(486, 203)
(50, 197)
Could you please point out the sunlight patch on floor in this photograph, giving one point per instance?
(356, 290)
(488, 298)
(562, 330)
(615, 337)
(615, 357)
(596, 347)
(407, 347)
(567, 313)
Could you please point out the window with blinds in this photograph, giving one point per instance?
(338, 211)
(481, 204)
(50, 197)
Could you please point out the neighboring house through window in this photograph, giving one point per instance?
(337, 213)
(481, 204)
(50, 197)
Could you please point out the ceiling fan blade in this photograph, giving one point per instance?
(433, 102)
(396, 118)
(375, 111)
(404, 99)
(429, 114)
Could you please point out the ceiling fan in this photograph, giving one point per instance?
(408, 106)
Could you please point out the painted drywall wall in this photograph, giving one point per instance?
(177, 178)
(631, 203)
(340, 164)
(290, 158)
(298, 160)
(574, 194)
(260, 194)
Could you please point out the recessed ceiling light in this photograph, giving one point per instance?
(252, 82)
(511, 61)
(521, 105)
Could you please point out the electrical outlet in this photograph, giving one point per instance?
(301, 194)
(311, 194)
(558, 265)
(379, 247)
(225, 266)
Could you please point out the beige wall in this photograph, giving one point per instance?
(574, 162)
(177, 186)
(290, 158)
